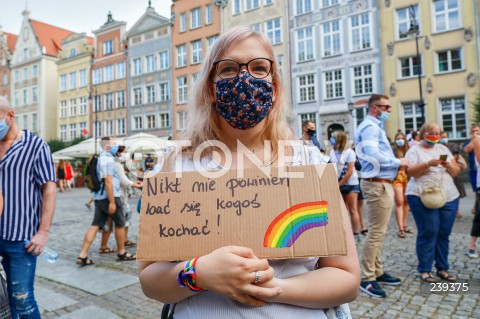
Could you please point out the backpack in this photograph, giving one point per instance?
(92, 180)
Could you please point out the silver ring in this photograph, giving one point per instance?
(257, 277)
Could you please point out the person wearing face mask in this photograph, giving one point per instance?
(239, 97)
(434, 226)
(399, 186)
(107, 205)
(472, 167)
(379, 168)
(309, 134)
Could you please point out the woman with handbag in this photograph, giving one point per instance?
(433, 199)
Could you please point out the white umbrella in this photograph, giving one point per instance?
(84, 149)
(143, 143)
(57, 157)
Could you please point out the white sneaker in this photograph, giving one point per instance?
(472, 253)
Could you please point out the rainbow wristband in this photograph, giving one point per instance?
(187, 277)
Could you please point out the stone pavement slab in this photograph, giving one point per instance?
(93, 279)
(50, 301)
(90, 312)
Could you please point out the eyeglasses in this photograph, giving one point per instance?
(259, 68)
(387, 107)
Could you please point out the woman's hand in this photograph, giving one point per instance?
(434, 162)
(231, 270)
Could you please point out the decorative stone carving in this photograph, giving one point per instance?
(387, 3)
(427, 43)
(468, 34)
(471, 79)
(392, 90)
(390, 48)
(429, 86)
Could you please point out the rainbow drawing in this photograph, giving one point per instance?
(285, 229)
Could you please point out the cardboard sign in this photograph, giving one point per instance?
(275, 216)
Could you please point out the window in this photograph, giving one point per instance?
(150, 59)
(164, 92)
(97, 103)
(108, 73)
(450, 60)
(454, 117)
(98, 129)
(137, 96)
(109, 101)
(331, 38)
(211, 40)
(447, 15)
(363, 79)
(181, 120)
(196, 51)
(34, 94)
(82, 81)
(63, 132)
(360, 32)
(34, 71)
(237, 6)
(305, 44)
(252, 4)
(409, 66)
(5, 79)
(25, 122)
(26, 54)
(196, 18)
(303, 6)
(25, 74)
(108, 47)
(137, 66)
(137, 122)
(73, 80)
(268, 2)
(412, 116)
(328, 3)
(181, 55)
(73, 107)
(83, 105)
(63, 109)
(25, 96)
(17, 76)
(403, 21)
(73, 131)
(72, 53)
(208, 14)
(121, 99)
(109, 128)
(164, 119)
(97, 76)
(63, 83)
(121, 127)
(150, 93)
(151, 121)
(306, 88)
(182, 93)
(183, 22)
(17, 98)
(34, 122)
(164, 60)
(334, 84)
(274, 30)
(81, 127)
(120, 72)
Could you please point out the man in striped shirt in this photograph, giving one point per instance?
(27, 179)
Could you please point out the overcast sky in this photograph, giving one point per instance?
(77, 15)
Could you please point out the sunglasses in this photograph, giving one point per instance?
(387, 107)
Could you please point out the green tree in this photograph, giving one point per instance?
(56, 145)
(476, 109)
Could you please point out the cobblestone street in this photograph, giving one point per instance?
(110, 289)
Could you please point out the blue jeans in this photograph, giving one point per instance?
(20, 268)
(434, 229)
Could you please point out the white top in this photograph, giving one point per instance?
(418, 154)
(125, 182)
(207, 304)
(342, 159)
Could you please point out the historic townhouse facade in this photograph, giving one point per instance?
(34, 86)
(74, 96)
(195, 26)
(447, 60)
(109, 80)
(335, 61)
(150, 75)
(269, 17)
(7, 45)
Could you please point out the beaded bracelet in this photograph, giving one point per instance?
(187, 277)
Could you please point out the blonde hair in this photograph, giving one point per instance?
(427, 127)
(340, 140)
(401, 151)
(203, 120)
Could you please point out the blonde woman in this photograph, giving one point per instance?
(239, 97)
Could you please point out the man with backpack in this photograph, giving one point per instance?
(105, 183)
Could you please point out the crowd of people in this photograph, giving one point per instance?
(239, 97)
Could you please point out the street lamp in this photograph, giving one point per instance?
(415, 30)
(351, 108)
